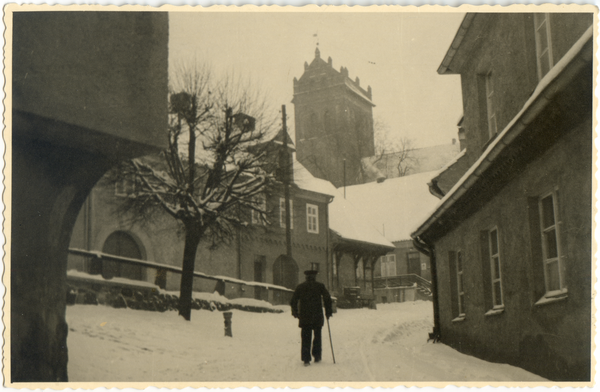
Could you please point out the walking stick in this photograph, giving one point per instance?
(330, 341)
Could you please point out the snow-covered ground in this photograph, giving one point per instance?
(387, 344)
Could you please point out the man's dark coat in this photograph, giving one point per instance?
(306, 304)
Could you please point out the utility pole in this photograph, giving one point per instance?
(344, 178)
(286, 184)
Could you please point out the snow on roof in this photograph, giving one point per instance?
(353, 223)
(453, 161)
(540, 96)
(72, 273)
(305, 180)
(395, 205)
(345, 218)
(357, 91)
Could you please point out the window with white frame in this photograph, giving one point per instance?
(282, 213)
(388, 265)
(460, 284)
(457, 285)
(543, 43)
(551, 248)
(491, 110)
(496, 270)
(259, 209)
(312, 218)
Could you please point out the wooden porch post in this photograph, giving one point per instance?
(365, 260)
(373, 261)
(357, 258)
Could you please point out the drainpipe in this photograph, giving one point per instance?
(428, 250)
(328, 252)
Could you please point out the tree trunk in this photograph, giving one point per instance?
(193, 234)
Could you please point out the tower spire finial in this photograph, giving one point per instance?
(317, 53)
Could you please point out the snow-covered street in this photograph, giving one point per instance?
(387, 344)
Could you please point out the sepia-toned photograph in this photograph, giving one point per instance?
(299, 196)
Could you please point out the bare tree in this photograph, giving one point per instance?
(405, 156)
(210, 171)
(397, 152)
(383, 142)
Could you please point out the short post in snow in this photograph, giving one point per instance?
(227, 317)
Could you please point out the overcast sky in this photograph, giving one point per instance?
(396, 53)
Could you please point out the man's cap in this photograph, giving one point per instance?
(310, 272)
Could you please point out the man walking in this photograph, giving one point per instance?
(308, 308)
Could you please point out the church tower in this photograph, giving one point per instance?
(334, 122)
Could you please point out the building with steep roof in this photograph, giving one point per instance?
(322, 225)
(511, 237)
(393, 207)
(355, 242)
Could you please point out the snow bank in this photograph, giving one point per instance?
(223, 303)
(85, 276)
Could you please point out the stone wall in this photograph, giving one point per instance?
(554, 339)
(88, 89)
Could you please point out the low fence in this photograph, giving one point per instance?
(274, 294)
(402, 281)
(402, 288)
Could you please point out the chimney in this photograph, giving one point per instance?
(305, 65)
(330, 61)
(357, 81)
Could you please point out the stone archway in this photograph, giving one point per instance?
(60, 150)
